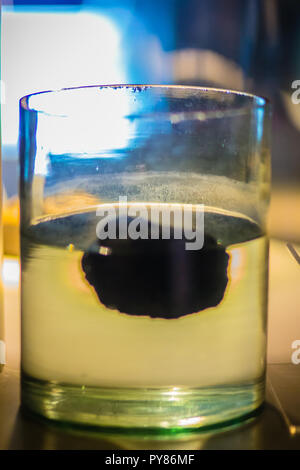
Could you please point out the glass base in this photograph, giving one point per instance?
(159, 409)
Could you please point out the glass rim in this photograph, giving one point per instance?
(254, 101)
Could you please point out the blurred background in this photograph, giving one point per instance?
(251, 45)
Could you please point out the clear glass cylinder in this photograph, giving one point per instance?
(144, 255)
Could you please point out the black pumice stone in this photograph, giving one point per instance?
(156, 278)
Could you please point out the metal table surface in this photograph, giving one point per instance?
(270, 430)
